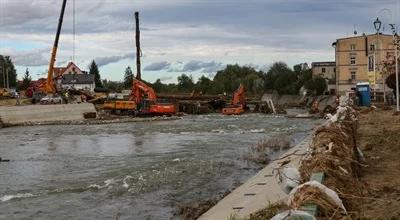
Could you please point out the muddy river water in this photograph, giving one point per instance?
(133, 170)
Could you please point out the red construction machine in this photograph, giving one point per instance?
(143, 98)
(146, 99)
(238, 102)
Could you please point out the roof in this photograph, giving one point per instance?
(326, 63)
(58, 71)
(77, 79)
(362, 36)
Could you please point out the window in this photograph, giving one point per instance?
(353, 75)
(352, 47)
(372, 47)
(323, 70)
(334, 70)
(371, 63)
(352, 60)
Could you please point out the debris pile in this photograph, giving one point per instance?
(329, 171)
(261, 153)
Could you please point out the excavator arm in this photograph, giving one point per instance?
(239, 96)
(238, 102)
(138, 88)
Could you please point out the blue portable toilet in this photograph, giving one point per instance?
(364, 94)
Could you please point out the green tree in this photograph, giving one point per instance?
(158, 86)
(204, 85)
(316, 85)
(277, 77)
(128, 78)
(185, 83)
(113, 86)
(7, 66)
(26, 81)
(228, 79)
(93, 69)
(282, 79)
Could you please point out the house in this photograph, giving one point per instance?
(71, 68)
(78, 81)
(72, 76)
(326, 70)
(359, 59)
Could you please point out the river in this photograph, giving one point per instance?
(139, 170)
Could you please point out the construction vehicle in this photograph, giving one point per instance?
(46, 92)
(5, 93)
(146, 99)
(145, 96)
(142, 99)
(238, 104)
(121, 107)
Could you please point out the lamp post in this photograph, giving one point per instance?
(396, 45)
(377, 26)
(392, 25)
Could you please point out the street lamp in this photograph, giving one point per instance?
(396, 44)
(377, 25)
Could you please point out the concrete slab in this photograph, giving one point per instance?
(258, 191)
(15, 115)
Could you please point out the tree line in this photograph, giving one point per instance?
(279, 77)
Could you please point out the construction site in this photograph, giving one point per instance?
(70, 149)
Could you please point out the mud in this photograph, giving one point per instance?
(380, 141)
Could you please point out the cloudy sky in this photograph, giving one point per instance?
(196, 37)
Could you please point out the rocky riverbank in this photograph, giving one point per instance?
(94, 121)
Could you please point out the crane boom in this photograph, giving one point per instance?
(50, 88)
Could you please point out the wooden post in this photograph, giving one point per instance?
(138, 51)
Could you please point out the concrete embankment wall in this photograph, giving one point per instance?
(258, 191)
(16, 115)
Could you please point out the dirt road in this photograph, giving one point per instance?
(379, 139)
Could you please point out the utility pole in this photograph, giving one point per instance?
(397, 82)
(138, 51)
(3, 71)
(8, 84)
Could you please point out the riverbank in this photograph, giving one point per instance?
(374, 177)
(260, 190)
(379, 139)
(96, 121)
(66, 114)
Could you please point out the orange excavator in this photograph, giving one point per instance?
(146, 99)
(238, 102)
(46, 92)
(143, 98)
